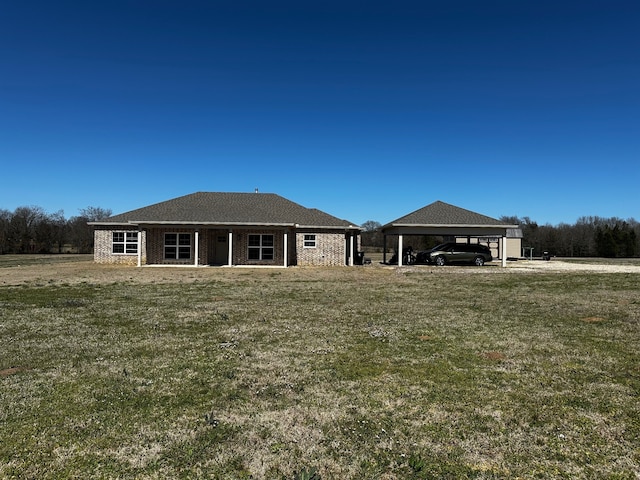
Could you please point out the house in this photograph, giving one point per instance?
(226, 229)
(457, 225)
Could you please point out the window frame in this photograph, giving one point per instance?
(128, 242)
(308, 242)
(265, 250)
(179, 247)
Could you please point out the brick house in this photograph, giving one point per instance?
(226, 229)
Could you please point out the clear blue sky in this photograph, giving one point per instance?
(367, 110)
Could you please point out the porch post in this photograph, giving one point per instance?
(351, 250)
(503, 253)
(197, 247)
(230, 249)
(286, 248)
(139, 247)
(400, 250)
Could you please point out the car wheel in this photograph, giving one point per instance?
(478, 261)
(440, 261)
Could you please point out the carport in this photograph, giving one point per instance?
(443, 219)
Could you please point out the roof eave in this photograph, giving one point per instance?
(234, 224)
(103, 223)
(328, 227)
(227, 224)
(448, 225)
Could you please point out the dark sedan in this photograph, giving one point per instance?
(445, 253)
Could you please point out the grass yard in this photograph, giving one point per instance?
(348, 373)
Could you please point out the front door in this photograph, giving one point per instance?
(219, 248)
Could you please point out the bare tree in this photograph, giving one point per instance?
(22, 228)
(95, 214)
(5, 221)
(80, 234)
(371, 234)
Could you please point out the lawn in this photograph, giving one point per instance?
(345, 373)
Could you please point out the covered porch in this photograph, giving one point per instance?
(223, 246)
(240, 245)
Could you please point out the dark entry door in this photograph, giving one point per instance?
(219, 248)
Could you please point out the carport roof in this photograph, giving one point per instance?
(441, 218)
(441, 214)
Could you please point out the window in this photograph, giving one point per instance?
(260, 247)
(177, 246)
(309, 241)
(125, 242)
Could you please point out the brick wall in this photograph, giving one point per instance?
(103, 247)
(241, 247)
(330, 249)
(155, 247)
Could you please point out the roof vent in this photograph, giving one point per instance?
(256, 191)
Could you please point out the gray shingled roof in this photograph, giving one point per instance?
(440, 213)
(230, 208)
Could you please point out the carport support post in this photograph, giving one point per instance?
(503, 253)
(230, 260)
(384, 249)
(399, 255)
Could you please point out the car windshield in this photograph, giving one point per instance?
(442, 246)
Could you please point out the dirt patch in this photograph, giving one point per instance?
(11, 371)
(564, 266)
(593, 319)
(495, 356)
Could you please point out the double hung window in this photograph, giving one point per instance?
(177, 246)
(309, 241)
(124, 242)
(260, 247)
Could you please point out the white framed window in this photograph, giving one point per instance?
(177, 246)
(309, 241)
(124, 243)
(260, 247)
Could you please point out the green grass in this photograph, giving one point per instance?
(351, 373)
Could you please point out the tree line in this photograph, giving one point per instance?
(589, 236)
(32, 230)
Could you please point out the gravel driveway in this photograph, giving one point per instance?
(582, 266)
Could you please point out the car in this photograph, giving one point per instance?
(445, 253)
